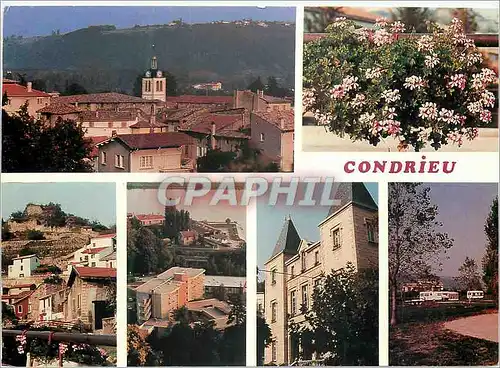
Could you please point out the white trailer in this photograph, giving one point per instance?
(475, 294)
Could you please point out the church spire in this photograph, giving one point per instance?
(154, 61)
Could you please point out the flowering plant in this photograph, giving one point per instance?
(374, 84)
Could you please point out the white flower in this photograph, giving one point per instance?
(474, 58)
(488, 75)
(374, 73)
(350, 83)
(308, 98)
(431, 60)
(390, 112)
(456, 137)
(323, 119)
(425, 43)
(446, 116)
(363, 34)
(381, 22)
(487, 99)
(475, 107)
(391, 95)
(414, 82)
(337, 92)
(359, 100)
(456, 25)
(485, 116)
(457, 80)
(397, 27)
(382, 37)
(366, 118)
(428, 111)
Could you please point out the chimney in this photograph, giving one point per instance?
(260, 93)
(213, 135)
(178, 276)
(30, 87)
(282, 124)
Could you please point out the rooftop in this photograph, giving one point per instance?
(16, 90)
(288, 240)
(158, 286)
(108, 97)
(152, 140)
(109, 257)
(59, 109)
(104, 236)
(95, 272)
(150, 217)
(26, 256)
(94, 250)
(227, 281)
(352, 193)
(195, 99)
(191, 272)
(108, 115)
(284, 120)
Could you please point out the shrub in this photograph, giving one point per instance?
(35, 235)
(372, 84)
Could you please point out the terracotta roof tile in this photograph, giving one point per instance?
(59, 109)
(145, 123)
(94, 250)
(108, 115)
(94, 141)
(16, 90)
(95, 272)
(195, 99)
(153, 140)
(150, 217)
(278, 117)
(110, 97)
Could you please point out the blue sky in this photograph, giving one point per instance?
(94, 201)
(306, 219)
(42, 20)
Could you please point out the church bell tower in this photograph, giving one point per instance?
(154, 84)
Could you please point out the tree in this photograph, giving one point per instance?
(273, 89)
(415, 241)
(182, 315)
(468, 278)
(5, 99)
(415, 19)
(17, 215)
(256, 85)
(215, 160)
(342, 324)
(138, 350)
(74, 89)
(29, 146)
(490, 259)
(34, 235)
(6, 233)
(237, 315)
(263, 338)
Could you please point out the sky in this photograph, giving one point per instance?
(42, 20)
(145, 201)
(270, 221)
(93, 201)
(463, 209)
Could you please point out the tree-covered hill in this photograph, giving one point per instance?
(105, 58)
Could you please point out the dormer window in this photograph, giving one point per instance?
(273, 277)
(370, 228)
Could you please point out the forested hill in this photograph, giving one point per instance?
(234, 54)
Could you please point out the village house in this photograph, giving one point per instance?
(273, 134)
(18, 95)
(168, 291)
(229, 285)
(348, 234)
(95, 254)
(153, 152)
(89, 289)
(198, 101)
(46, 302)
(154, 83)
(187, 237)
(152, 219)
(258, 101)
(23, 266)
(19, 303)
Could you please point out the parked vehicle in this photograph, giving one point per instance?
(439, 295)
(475, 294)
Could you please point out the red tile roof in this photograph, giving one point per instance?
(94, 250)
(21, 286)
(285, 117)
(95, 272)
(224, 125)
(146, 123)
(16, 90)
(19, 296)
(110, 97)
(108, 115)
(195, 99)
(153, 140)
(9, 81)
(59, 109)
(150, 217)
(94, 141)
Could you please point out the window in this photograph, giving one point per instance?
(304, 297)
(19, 309)
(273, 276)
(336, 238)
(103, 158)
(93, 264)
(39, 100)
(292, 271)
(274, 311)
(146, 162)
(274, 352)
(293, 298)
(316, 283)
(316, 258)
(370, 228)
(79, 301)
(161, 86)
(119, 161)
(22, 267)
(303, 260)
(262, 137)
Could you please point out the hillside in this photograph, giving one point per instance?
(104, 58)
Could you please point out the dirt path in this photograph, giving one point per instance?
(484, 326)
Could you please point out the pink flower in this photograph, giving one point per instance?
(393, 127)
(381, 22)
(377, 127)
(397, 27)
(457, 80)
(382, 37)
(337, 91)
(428, 111)
(456, 137)
(485, 116)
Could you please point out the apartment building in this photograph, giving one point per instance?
(23, 266)
(348, 234)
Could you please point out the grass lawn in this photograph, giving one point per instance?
(430, 344)
(420, 338)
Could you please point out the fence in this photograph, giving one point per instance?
(78, 338)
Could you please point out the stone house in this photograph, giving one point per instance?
(18, 95)
(89, 289)
(199, 101)
(272, 132)
(348, 234)
(259, 102)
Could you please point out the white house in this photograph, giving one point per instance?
(23, 266)
(98, 253)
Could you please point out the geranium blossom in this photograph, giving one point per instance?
(457, 80)
(431, 60)
(398, 27)
(381, 22)
(337, 91)
(485, 116)
(456, 137)
(391, 95)
(487, 99)
(359, 100)
(350, 83)
(414, 82)
(393, 127)
(308, 98)
(428, 111)
(475, 107)
(377, 127)
(389, 112)
(366, 118)
(446, 116)
(425, 43)
(374, 73)
(363, 34)
(323, 119)
(382, 37)
(474, 58)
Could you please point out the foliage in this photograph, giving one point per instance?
(29, 146)
(264, 338)
(415, 19)
(256, 85)
(26, 251)
(5, 99)
(215, 160)
(468, 275)
(53, 279)
(237, 315)
(175, 222)
(6, 233)
(342, 325)
(48, 269)
(468, 17)
(272, 88)
(17, 215)
(8, 312)
(74, 89)
(420, 90)
(414, 238)
(100, 59)
(490, 259)
(138, 350)
(34, 235)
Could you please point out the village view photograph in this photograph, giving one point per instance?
(443, 274)
(186, 280)
(58, 274)
(148, 89)
(317, 287)
(400, 79)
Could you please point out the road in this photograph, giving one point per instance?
(483, 326)
(317, 139)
